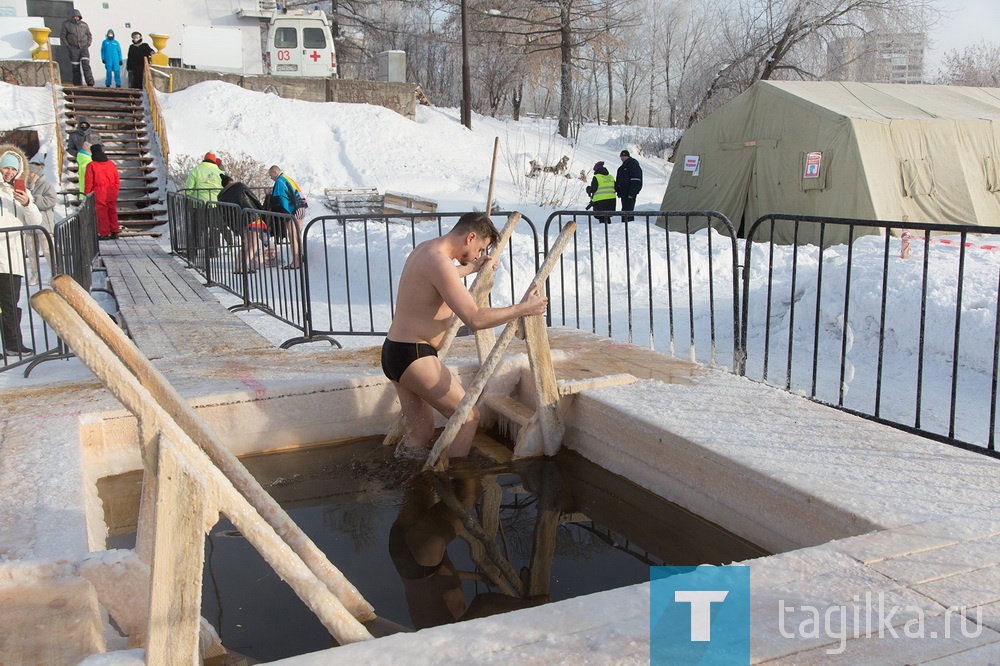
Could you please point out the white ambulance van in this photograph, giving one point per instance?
(299, 43)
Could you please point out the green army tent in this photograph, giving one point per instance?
(849, 150)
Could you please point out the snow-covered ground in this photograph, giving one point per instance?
(343, 145)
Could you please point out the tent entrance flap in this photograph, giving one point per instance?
(741, 168)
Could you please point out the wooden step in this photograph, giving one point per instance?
(104, 105)
(132, 203)
(90, 114)
(74, 167)
(509, 408)
(88, 91)
(574, 386)
(108, 124)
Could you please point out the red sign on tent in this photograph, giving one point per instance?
(812, 164)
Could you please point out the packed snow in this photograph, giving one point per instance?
(332, 145)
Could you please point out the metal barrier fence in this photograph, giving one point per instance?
(790, 319)
(333, 294)
(805, 310)
(71, 248)
(679, 293)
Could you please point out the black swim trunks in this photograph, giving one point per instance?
(397, 356)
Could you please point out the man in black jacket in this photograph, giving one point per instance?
(628, 182)
(75, 36)
(138, 54)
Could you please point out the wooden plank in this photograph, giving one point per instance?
(544, 382)
(509, 408)
(52, 621)
(178, 560)
(574, 386)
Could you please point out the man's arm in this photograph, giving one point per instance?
(445, 277)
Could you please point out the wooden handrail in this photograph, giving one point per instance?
(55, 112)
(155, 111)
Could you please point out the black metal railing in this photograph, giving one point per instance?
(75, 243)
(788, 316)
(29, 257)
(667, 279)
(333, 294)
(806, 310)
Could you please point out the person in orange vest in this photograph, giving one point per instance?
(102, 179)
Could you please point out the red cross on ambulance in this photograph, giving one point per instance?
(315, 56)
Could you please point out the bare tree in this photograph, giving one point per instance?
(976, 65)
(779, 39)
(554, 25)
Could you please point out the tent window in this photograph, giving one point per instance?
(918, 177)
(992, 176)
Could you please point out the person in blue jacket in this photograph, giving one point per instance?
(286, 197)
(111, 56)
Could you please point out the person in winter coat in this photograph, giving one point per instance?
(75, 36)
(102, 179)
(205, 180)
(139, 54)
(255, 235)
(83, 158)
(286, 197)
(44, 194)
(17, 208)
(602, 192)
(628, 182)
(83, 132)
(111, 56)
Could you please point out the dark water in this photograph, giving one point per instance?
(565, 526)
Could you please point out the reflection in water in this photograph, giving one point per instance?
(418, 544)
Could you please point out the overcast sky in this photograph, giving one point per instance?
(969, 22)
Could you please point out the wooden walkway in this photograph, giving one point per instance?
(167, 310)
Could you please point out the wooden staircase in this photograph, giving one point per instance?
(119, 116)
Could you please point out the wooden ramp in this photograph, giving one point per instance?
(165, 307)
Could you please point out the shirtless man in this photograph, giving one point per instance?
(430, 291)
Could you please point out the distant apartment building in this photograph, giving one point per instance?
(878, 58)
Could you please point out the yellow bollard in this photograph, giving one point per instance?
(41, 37)
(159, 43)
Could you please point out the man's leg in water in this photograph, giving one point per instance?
(427, 382)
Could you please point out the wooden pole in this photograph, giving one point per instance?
(486, 370)
(167, 397)
(480, 290)
(485, 338)
(177, 563)
(493, 176)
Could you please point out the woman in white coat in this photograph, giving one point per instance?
(17, 209)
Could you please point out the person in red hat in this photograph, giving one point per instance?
(103, 180)
(205, 180)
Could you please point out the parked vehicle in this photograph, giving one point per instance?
(299, 43)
